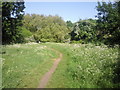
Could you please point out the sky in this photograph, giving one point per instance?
(67, 10)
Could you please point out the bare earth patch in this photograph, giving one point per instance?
(47, 76)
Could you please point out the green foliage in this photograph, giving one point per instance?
(86, 66)
(46, 28)
(69, 24)
(12, 13)
(92, 70)
(25, 32)
(25, 35)
(80, 41)
(108, 23)
(53, 33)
(84, 30)
(32, 22)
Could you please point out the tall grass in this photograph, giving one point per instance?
(25, 64)
(86, 66)
(82, 65)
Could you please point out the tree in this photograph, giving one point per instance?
(46, 28)
(75, 32)
(52, 33)
(69, 24)
(84, 30)
(108, 23)
(12, 15)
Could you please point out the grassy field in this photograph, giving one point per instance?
(85, 66)
(82, 65)
(25, 64)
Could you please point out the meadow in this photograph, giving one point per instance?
(23, 65)
(86, 66)
(82, 65)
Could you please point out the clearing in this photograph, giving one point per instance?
(60, 65)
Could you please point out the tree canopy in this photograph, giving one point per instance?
(12, 15)
(84, 30)
(108, 23)
(46, 28)
(17, 27)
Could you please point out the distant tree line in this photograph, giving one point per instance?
(18, 28)
(46, 28)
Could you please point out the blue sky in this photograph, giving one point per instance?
(67, 10)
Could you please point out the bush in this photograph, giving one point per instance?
(25, 32)
(80, 41)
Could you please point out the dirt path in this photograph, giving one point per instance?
(47, 76)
